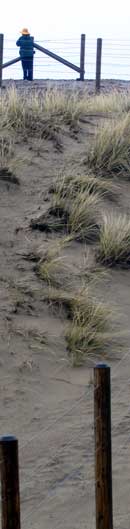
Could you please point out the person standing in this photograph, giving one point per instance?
(25, 42)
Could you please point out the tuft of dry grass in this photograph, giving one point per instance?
(6, 152)
(73, 106)
(113, 102)
(110, 154)
(7, 161)
(114, 242)
(84, 217)
(53, 267)
(39, 113)
(79, 218)
(42, 112)
(88, 330)
(66, 105)
(69, 186)
(25, 114)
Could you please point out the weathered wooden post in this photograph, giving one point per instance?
(82, 57)
(98, 64)
(33, 61)
(1, 56)
(9, 469)
(103, 457)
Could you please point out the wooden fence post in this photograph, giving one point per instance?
(103, 457)
(82, 57)
(10, 497)
(33, 62)
(1, 56)
(98, 64)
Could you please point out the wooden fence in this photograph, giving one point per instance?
(79, 69)
(9, 461)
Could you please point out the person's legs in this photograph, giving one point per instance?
(30, 69)
(24, 66)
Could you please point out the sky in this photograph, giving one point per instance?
(66, 18)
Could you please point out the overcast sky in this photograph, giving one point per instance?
(66, 18)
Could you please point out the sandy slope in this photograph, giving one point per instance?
(43, 401)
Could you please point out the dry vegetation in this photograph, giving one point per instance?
(114, 244)
(88, 331)
(69, 186)
(7, 161)
(35, 112)
(110, 154)
(76, 203)
(78, 217)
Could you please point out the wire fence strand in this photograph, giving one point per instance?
(115, 59)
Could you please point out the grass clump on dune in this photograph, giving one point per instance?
(114, 242)
(40, 112)
(24, 113)
(84, 216)
(114, 101)
(64, 104)
(88, 336)
(110, 154)
(79, 218)
(53, 267)
(7, 161)
(69, 186)
(43, 111)
(73, 105)
(88, 329)
(6, 153)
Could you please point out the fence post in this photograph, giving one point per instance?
(1, 56)
(32, 60)
(10, 497)
(103, 457)
(98, 64)
(82, 57)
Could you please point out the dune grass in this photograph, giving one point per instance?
(84, 217)
(79, 218)
(6, 152)
(76, 207)
(55, 271)
(88, 331)
(52, 267)
(69, 186)
(110, 154)
(8, 161)
(69, 104)
(80, 215)
(113, 102)
(114, 242)
(39, 112)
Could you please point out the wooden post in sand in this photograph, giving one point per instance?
(103, 457)
(82, 57)
(98, 64)
(9, 470)
(1, 56)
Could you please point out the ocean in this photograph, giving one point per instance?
(115, 59)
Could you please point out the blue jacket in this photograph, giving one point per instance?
(26, 46)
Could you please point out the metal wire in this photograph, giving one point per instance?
(115, 59)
